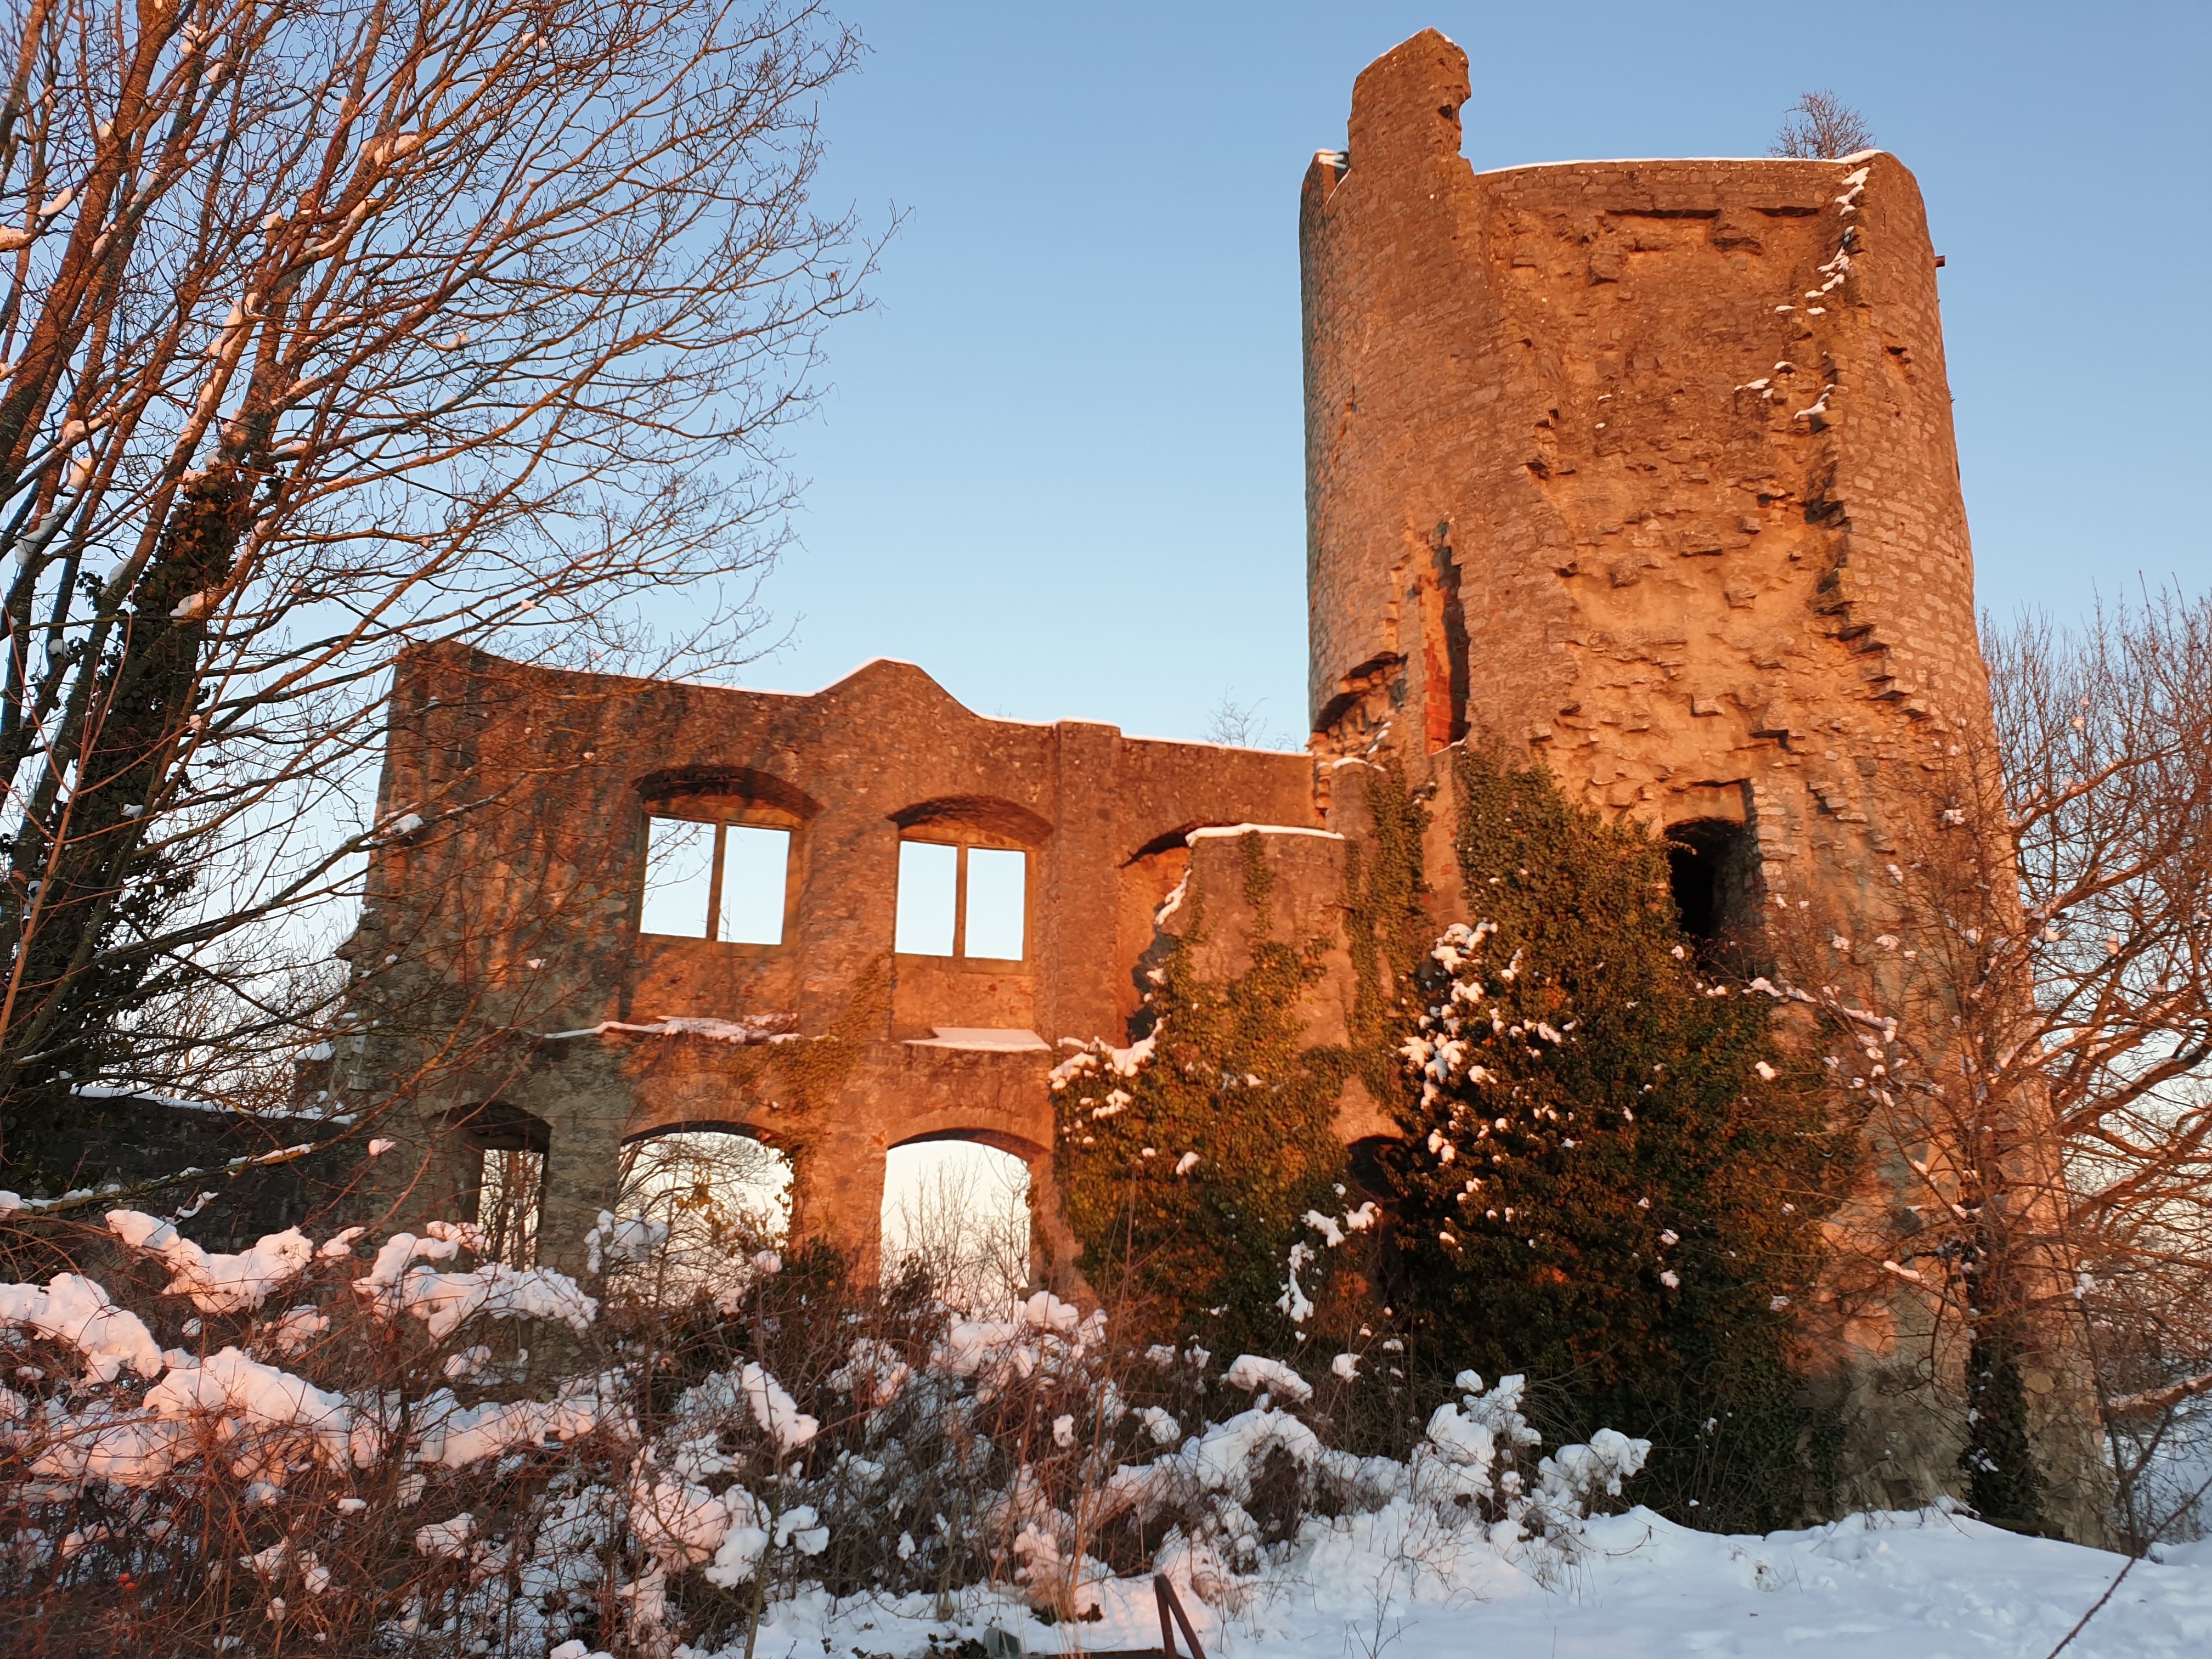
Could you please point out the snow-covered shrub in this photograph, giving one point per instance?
(423, 1453)
(332, 1472)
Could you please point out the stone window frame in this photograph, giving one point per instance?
(487, 1128)
(964, 823)
(726, 798)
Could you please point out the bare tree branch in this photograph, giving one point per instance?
(333, 326)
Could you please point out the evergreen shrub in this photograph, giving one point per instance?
(1611, 1177)
(1614, 1175)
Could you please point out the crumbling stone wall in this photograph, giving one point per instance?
(1648, 466)
(517, 1001)
(1648, 463)
(233, 1197)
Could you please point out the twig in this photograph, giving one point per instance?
(2157, 1400)
(38, 1208)
(2082, 1623)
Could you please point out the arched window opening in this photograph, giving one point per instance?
(505, 1156)
(724, 1200)
(1710, 873)
(959, 1211)
(964, 878)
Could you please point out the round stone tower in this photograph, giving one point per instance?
(1646, 468)
(1647, 463)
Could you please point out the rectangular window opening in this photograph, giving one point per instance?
(718, 881)
(680, 877)
(960, 901)
(754, 863)
(997, 879)
(928, 898)
(508, 1205)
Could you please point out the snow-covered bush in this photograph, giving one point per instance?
(421, 1453)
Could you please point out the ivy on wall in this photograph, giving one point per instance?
(1611, 1175)
(803, 1075)
(1186, 1161)
(1614, 1175)
(1386, 924)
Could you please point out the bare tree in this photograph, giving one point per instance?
(2108, 740)
(1239, 725)
(1820, 127)
(722, 1197)
(965, 1224)
(2031, 1032)
(333, 326)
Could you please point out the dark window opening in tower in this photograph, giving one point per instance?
(1710, 872)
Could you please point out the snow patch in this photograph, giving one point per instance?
(983, 1039)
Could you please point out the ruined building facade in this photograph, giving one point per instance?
(1643, 468)
(518, 909)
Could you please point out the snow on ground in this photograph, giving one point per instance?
(1930, 1585)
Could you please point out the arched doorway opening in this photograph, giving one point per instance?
(723, 1197)
(959, 1211)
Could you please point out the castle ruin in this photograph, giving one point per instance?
(1643, 468)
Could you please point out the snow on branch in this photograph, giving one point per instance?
(2158, 1400)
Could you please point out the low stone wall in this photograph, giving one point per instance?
(126, 1140)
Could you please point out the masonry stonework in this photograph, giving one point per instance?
(1648, 464)
(1646, 468)
(525, 1005)
(1642, 468)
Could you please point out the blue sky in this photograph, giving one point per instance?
(1060, 465)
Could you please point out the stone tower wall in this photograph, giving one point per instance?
(1648, 466)
(1647, 463)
